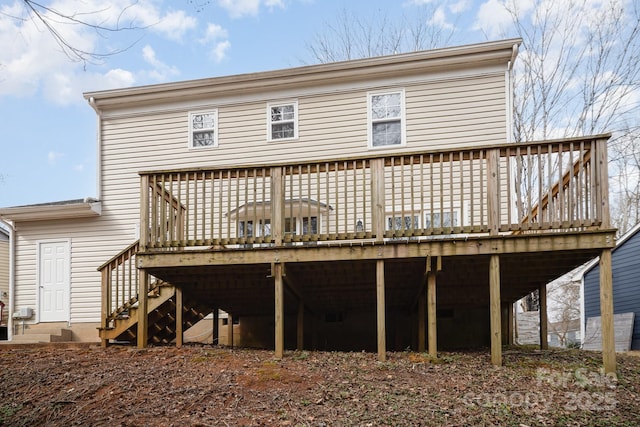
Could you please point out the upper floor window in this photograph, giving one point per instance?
(203, 129)
(282, 120)
(386, 119)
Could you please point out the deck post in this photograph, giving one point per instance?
(606, 313)
(377, 198)
(277, 205)
(507, 323)
(230, 329)
(422, 308)
(382, 342)
(300, 326)
(511, 324)
(431, 314)
(493, 191)
(215, 335)
(143, 317)
(106, 295)
(179, 324)
(279, 309)
(494, 308)
(542, 295)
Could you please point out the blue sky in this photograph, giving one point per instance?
(47, 130)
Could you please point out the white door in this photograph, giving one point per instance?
(54, 283)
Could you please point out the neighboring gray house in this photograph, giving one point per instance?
(625, 260)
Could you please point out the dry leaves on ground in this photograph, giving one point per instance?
(212, 386)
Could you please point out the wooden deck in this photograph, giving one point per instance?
(480, 227)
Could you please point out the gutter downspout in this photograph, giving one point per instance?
(92, 103)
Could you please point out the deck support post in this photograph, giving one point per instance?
(300, 326)
(179, 324)
(143, 316)
(378, 198)
(494, 308)
(544, 318)
(230, 330)
(507, 323)
(511, 324)
(606, 313)
(106, 295)
(382, 342)
(276, 272)
(431, 314)
(277, 205)
(215, 334)
(422, 320)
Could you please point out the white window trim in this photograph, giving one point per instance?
(213, 111)
(403, 120)
(295, 119)
(426, 210)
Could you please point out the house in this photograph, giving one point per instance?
(370, 204)
(626, 283)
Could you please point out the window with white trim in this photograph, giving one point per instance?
(282, 119)
(203, 129)
(444, 219)
(386, 119)
(399, 222)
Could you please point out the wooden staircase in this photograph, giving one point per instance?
(162, 318)
(120, 304)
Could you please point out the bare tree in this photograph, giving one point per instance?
(564, 308)
(351, 37)
(625, 182)
(54, 21)
(575, 76)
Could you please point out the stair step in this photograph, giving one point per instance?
(44, 335)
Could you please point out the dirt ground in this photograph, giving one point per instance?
(211, 386)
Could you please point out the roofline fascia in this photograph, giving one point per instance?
(494, 52)
(51, 212)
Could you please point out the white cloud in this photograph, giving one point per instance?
(220, 50)
(492, 18)
(239, 8)
(52, 157)
(214, 32)
(217, 36)
(161, 72)
(439, 19)
(33, 62)
(460, 6)
(175, 24)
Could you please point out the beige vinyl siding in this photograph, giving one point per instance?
(459, 112)
(93, 241)
(443, 114)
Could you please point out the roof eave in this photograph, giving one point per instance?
(377, 67)
(52, 212)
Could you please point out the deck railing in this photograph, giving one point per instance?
(119, 283)
(525, 187)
